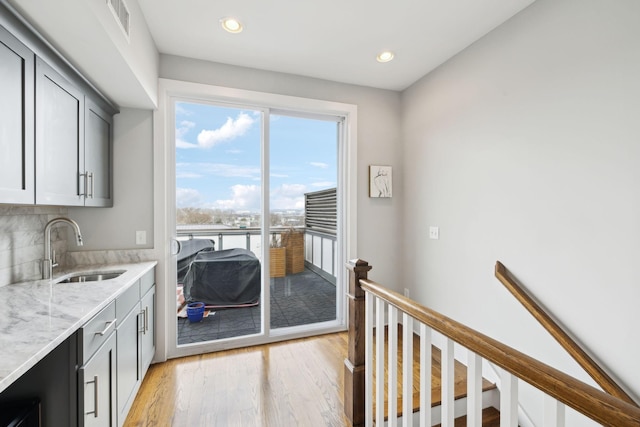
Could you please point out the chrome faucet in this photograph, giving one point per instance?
(49, 260)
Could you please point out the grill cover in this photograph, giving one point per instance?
(188, 251)
(223, 278)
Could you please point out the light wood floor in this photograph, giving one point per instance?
(296, 383)
(293, 383)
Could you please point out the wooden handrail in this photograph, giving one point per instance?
(573, 348)
(593, 403)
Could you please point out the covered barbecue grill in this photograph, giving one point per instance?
(223, 278)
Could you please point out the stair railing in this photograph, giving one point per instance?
(569, 344)
(368, 303)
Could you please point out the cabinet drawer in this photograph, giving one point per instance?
(126, 301)
(96, 331)
(147, 281)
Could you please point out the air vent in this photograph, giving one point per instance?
(121, 12)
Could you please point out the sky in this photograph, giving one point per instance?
(218, 158)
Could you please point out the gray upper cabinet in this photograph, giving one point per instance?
(56, 129)
(16, 120)
(59, 139)
(73, 144)
(98, 155)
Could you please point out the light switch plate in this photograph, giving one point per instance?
(141, 237)
(434, 232)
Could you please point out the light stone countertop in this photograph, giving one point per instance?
(36, 316)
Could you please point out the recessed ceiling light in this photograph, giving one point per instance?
(385, 56)
(231, 25)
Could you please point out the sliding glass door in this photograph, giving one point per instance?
(256, 216)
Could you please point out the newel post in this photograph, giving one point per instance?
(354, 363)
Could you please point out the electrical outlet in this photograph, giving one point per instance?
(434, 233)
(406, 292)
(141, 237)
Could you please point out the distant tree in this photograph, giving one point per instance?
(275, 218)
(196, 216)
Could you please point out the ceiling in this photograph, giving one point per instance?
(330, 39)
(335, 40)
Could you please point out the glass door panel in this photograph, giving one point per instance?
(218, 218)
(303, 179)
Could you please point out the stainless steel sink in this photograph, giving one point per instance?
(90, 277)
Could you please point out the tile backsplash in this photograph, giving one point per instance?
(22, 244)
(22, 240)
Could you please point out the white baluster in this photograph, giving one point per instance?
(474, 390)
(368, 359)
(425, 375)
(553, 412)
(508, 400)
(447, 362)
(379, 361)
(392, 379)
(407, 370)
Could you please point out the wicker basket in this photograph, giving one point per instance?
(278, 262)
(294, 242)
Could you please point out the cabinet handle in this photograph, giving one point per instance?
(95, 397)
(141, 321)
(83, 176)
(146, 320)
(92, 186)
(106, 328)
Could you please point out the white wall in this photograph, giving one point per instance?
(378, 141)
(115, 228)
(525, 148)
(87, 34)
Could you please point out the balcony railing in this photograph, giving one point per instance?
(320, 246)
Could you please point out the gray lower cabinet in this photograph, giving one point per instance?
(97, 375)
(135, 340)
(148, 303)
(16, 120)
(59, 139)
(98, 379)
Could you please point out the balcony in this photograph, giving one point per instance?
(303, 297)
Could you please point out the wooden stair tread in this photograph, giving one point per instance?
(490, 418)
(460, 376)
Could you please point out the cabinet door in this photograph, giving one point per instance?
(59, 139)
(98, 155)
(96, 387)
(16, 121)
(129, 367)
(148, 335)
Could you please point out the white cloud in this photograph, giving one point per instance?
(288, 196)
(181, 130)
(180, 110)
(228, 131)
(324, 184)
(203, 169)
(245, 197)
(187, 197)
(180, 143)
(188, 175)
(226, 170)
(319, 165)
